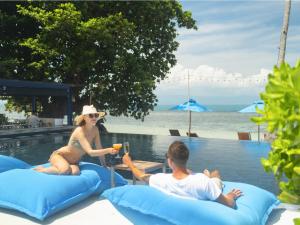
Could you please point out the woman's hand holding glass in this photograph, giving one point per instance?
(117, 147)
(112, 151)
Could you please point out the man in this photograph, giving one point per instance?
(204, 186)
(33, 120)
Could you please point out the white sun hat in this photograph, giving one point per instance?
(90, 109)
(87, 109)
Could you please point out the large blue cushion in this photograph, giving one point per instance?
(8, 163)
(104, 174)
(41, 195)
(252, 208)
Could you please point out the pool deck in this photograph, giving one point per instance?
(10, 133)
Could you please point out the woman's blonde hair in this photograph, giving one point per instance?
(79, 120)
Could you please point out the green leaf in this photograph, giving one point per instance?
(273, 96)
(294, 152)
(296, 79)
(297, 221)
(288, 169)
(289, 197)
(257, 120)
(297, 171)
(266, 163)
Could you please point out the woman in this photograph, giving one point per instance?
(65, 160)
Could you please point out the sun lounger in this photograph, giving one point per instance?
(174, 132)
(192, 134)
(244, 135)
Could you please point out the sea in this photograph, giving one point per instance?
(223, 121)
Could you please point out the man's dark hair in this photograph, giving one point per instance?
(178, 153)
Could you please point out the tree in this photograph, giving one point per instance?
(115, 52)
(13, 29)
(284, 32)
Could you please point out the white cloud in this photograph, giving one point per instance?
(205, 75)
(225, 57)
(211, 85)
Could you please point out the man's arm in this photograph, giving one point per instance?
(229, 199)
(136, 172)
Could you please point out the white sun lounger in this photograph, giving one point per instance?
(95, 211)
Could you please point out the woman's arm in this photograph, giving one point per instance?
(88, 149)
(99, 146)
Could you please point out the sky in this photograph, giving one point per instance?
(231, 54)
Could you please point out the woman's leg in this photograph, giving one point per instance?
(59, 165)
(75, 169)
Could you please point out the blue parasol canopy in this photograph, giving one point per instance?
(252, 108)
(191, 106)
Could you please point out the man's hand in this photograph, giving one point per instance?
(136, 172)
(126, 159)
(235, 194)
(229, 199)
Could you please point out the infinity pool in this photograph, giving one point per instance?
(237, 160)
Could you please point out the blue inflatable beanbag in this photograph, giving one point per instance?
(8, 163)
(104, 174)
(253, 208)
(40, 195)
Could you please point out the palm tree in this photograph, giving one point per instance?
(284, 32)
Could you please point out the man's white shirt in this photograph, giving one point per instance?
(197, 185)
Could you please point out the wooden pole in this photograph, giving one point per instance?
(190, 113)
(258, 133)
(190, 122)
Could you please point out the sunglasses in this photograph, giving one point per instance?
(96, 115)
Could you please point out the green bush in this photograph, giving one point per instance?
(3, 119)
(282, 115)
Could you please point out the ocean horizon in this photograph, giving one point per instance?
(223, 121)
(213, 108)
(160, 107)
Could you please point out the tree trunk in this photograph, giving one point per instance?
(284, 32)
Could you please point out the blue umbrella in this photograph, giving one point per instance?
(191, 106)
(252, 109)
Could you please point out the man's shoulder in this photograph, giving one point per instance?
(159, 177)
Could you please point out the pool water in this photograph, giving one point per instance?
(237, 161)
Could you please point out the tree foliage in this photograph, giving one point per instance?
(282, 115)
(114, 52)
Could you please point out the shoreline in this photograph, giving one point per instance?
(219, 134)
